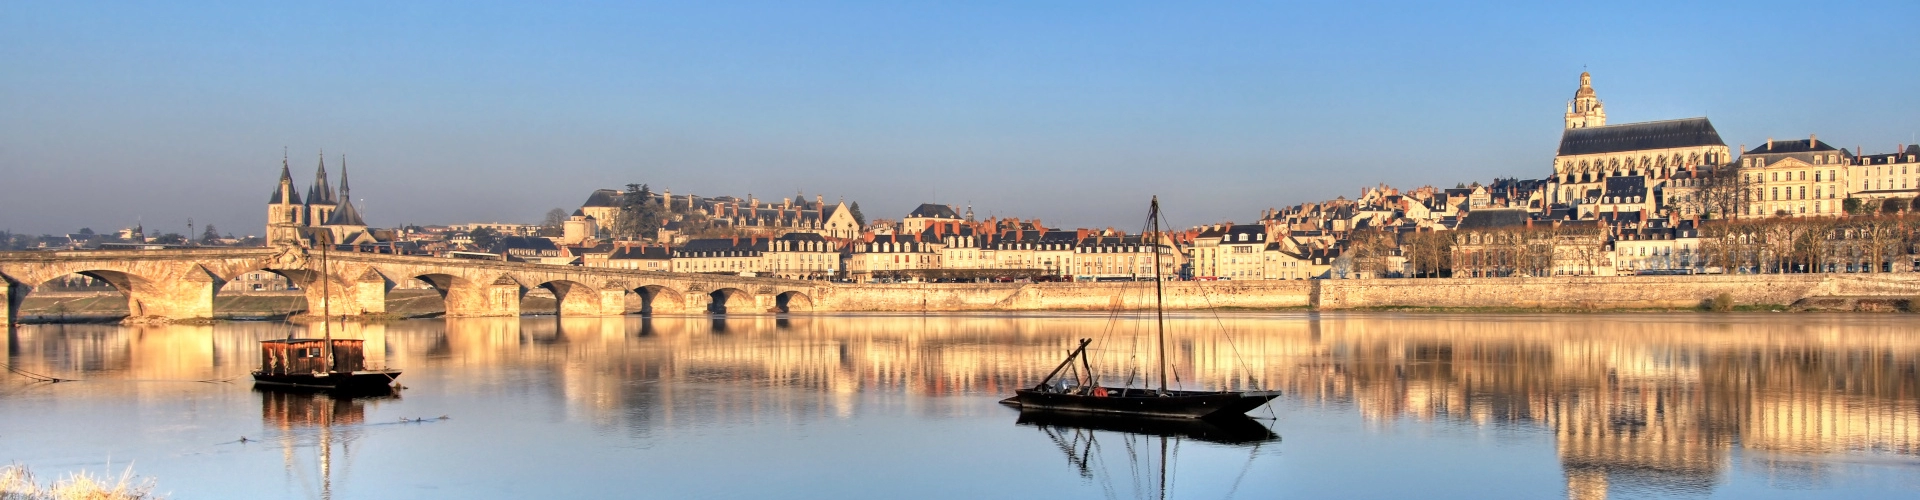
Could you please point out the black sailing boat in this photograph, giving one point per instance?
(1087, 397)
(324, 363)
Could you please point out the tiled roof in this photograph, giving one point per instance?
(1686, 132)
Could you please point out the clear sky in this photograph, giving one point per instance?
(1072, 112)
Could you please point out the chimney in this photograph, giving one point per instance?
(1812, 139)
(1769, 144)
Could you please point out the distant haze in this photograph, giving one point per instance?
(1071, 112)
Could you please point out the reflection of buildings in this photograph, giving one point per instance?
(1631, 403)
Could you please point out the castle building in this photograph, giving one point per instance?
(601, 212)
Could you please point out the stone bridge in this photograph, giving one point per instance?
(181, 284)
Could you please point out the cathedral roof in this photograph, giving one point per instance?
(345, 216)
(1682, 133)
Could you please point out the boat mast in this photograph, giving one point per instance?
(1159, 293)
(326, 292)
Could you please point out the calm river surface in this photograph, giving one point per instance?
(1377, 405)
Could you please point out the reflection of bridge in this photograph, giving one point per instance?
(181, 284)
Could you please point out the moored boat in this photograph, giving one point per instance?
(324, 364)
(1082, 394)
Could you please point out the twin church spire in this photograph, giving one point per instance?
(288, 215)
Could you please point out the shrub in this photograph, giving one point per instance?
(1722, 302)
(18, 483)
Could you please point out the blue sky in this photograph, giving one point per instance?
(1068, 111)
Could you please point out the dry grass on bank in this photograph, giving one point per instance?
(18, 483)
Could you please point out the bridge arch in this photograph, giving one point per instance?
(792, 301)
(656, 299)
(730, 299)
(177, 292)
(573, 298)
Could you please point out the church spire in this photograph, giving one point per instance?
(322, 191)
(284, 192)
(343, 179)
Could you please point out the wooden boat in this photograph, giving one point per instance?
(324, 363)
(1082, 396)
(329, 364)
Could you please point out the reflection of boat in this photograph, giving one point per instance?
(1151, 445)
(323, 363)
(300, 415)
(1083, 395)
(1230, 429)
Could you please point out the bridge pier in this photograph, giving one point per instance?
(365, 295)
(613, 302)
(11, 295)
(188, 296)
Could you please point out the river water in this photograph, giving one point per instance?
(1376, 405)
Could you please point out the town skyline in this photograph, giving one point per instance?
(1221, 129)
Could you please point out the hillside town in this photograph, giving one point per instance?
(1660, 197)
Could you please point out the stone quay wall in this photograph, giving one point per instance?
(1062, 296)
(1569, 292)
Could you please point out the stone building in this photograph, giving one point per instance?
(891, 257)
(1796, 178)
(1230, 251)
(732, 256)
(801, 256)
(1885, 176)
(926, 214)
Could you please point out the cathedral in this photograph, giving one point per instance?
(322, 215)
(1626, 167)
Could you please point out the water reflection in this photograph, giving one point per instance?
(314, 430)
(1633, 403)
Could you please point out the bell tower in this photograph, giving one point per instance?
(1585, 109)
(285, 213)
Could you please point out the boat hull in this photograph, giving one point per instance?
(365, 380)
(1120, 401)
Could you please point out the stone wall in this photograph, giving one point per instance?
(1620, 292)
(1062, 296)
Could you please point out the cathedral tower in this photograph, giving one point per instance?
(1585, 110)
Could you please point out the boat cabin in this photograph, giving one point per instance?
(293, 356)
